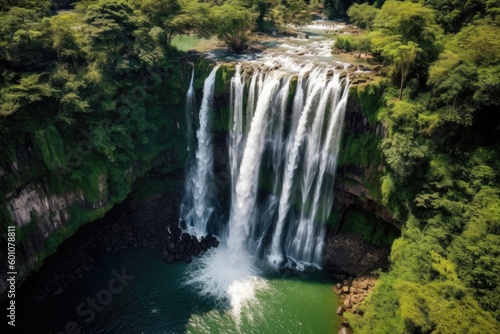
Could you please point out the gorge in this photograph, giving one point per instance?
(290, 175)
(281, 150)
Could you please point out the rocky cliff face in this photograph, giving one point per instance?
(33, 202)
(355, 184)
(38, 213)
(34, 210)
(357, 187)
(352, 191)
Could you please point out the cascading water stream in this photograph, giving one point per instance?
(190, 112)
(243, 205)
(198, 205)
(302, 246)
(315, 87)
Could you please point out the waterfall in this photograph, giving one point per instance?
(190, 112)
(283, 143)
(300, 164)
(245, 189)
(198, 203)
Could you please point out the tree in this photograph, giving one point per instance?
(296, 12)
(25, 41)
(404, 148)
(402, 56)
(42, 7)
(111, 27)
(300, 13)
(464, 79)
(407, 22)
(67, 37)
(336, 9)
(363, 15)
(407, 37)
(263, 8)
(455, 14)
(175, 17)
(233, 23)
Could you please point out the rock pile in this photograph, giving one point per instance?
(182, 246)
(352, 291)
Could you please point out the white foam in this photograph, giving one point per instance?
(228, 277)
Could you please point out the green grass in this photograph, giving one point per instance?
(187, 42)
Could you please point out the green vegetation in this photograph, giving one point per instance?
(344, 43)
(90, 94)
(50, 146)
(373, 230)
(233, 23)
(296, 12)
(363, 15)
(360, 150)
(97, 93)
(440, 156)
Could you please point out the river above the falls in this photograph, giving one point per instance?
(135, 291)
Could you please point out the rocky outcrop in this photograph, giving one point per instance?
(345, 330)
(351, 191)
(346, 252)
(353, 182)
(183, 247)
(37, 214)
(351, 186)
(356, 121)
(34, 203)
(302, 35)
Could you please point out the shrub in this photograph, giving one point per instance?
(343, 43)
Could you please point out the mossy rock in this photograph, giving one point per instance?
(371, 228)
(221, 118)
(223, 78)
(369, 98)
(50, 147)
(201, 71)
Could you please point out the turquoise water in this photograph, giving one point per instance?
(153, 298)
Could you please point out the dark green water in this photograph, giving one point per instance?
(153, 298)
